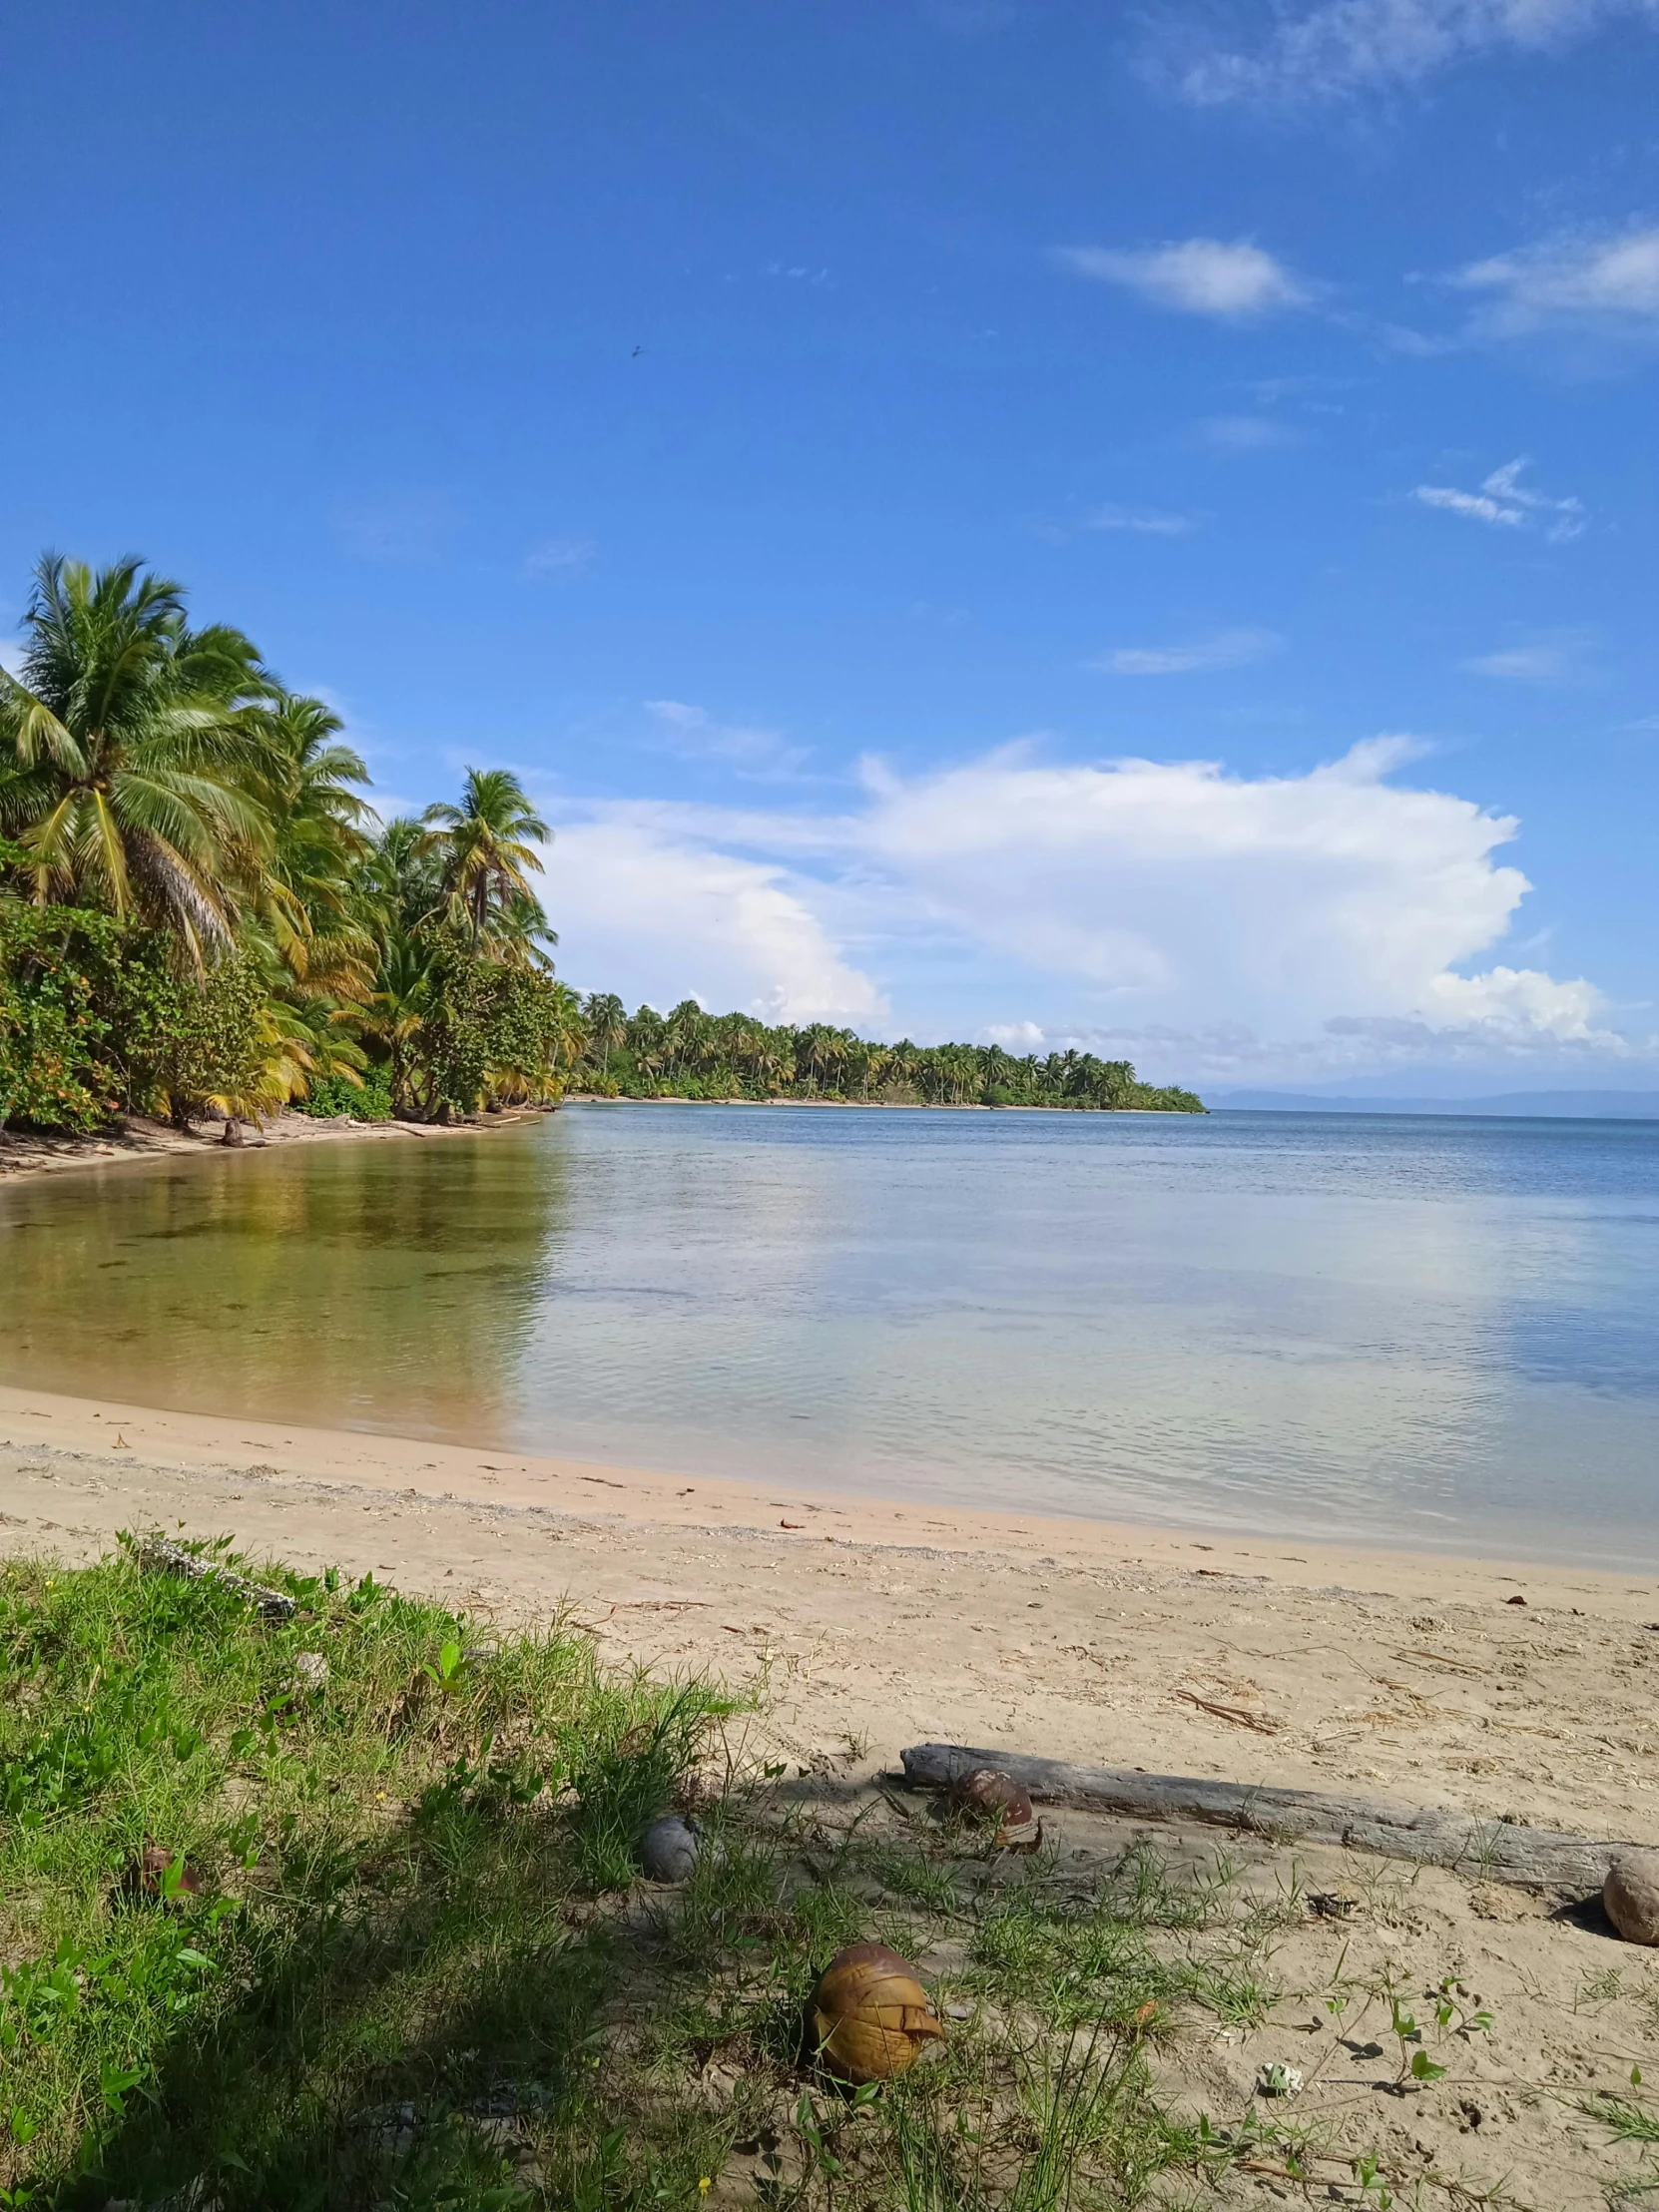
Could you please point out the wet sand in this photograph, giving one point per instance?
(882, 1624)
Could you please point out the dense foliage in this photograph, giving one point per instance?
(198, 913)
(691, 1054)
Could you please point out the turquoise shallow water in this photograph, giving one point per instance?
(1412, 1331)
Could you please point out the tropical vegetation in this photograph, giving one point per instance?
(688, 1053)
(200, 915)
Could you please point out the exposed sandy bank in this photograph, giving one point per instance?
(26, 1153)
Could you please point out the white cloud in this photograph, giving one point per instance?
(1225, 648)
(695, 733)
(653, 910)
(1209, 923)
(1347, 46)
(558, 560)
(1476, 506)
(1504, 501)
(1605, 286)
(1234, 282)
(1150, 522)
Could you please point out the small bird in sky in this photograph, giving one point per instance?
(637, 350)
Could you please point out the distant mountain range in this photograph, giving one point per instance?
(1553, 1105)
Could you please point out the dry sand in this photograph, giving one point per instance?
(873, 1625)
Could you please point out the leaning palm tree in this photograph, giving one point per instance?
(131, 750)
(485, 849)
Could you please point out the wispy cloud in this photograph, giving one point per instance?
(1607, 285)
(1506, 503)
(1245, 433)
(412, 527)
(558, 560)
(1148, 522)
(698, 735)
(1234, 282)
(1201, 656)
(1343, 47)
(1552, 660)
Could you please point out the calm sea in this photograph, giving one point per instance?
(1423, 1332)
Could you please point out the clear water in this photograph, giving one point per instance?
(1420, 1332)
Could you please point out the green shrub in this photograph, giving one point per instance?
(56, 964)
(337, 1097)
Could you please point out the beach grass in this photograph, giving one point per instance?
(345, 1910)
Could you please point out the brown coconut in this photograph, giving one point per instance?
(1632, 1895)
(870, 2015)
(986, 1794)
(148, 1876)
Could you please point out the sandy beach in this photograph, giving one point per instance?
(882, 1624)
(869, 1626)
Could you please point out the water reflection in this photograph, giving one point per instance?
(390, 1284)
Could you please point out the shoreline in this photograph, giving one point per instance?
(136, 1138)
(887, 1105)
(876, 1624)
(27, 1154)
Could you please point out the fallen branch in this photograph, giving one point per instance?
(1263, 1725)
(1498, 1851)
(159, 1556)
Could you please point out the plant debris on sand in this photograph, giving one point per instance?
(344, 1909)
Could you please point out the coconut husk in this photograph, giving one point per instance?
(988, 1794)
(872, 2016)
(146, 1878)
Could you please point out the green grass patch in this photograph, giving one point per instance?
(344, 1911)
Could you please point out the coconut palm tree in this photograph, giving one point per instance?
(607, 1020)
(485, 849)
(320, 845)
(132, 749)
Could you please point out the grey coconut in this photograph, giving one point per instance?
(669, 1848)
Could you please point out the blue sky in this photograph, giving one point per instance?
(974, 517)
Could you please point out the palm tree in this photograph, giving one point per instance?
(689, 1029)
(130, 752)
(607, 1020)
(320, 845)
(484, 847)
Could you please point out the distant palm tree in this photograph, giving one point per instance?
(485, 849)
(131, 749)
(607, 1020)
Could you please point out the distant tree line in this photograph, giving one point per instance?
(689, 1053)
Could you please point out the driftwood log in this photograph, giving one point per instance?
(156, 1555)
(1494, 1851)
